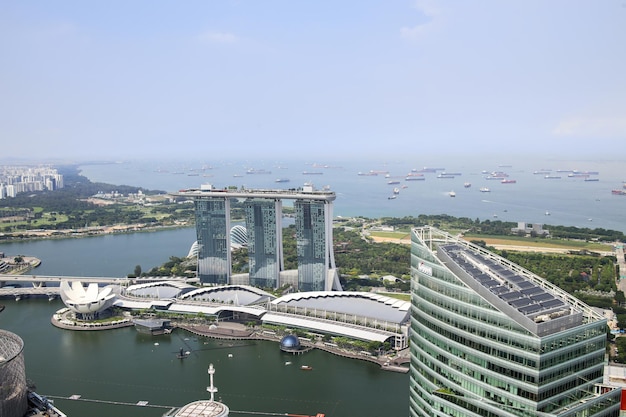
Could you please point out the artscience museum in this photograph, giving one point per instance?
(86, 303)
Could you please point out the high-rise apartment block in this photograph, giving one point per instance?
(491, 339)
(21, 179)
(264, 224)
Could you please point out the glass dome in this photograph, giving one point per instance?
(290, 342)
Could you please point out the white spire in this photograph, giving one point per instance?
(211, 388)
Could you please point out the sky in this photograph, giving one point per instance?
(281, 78)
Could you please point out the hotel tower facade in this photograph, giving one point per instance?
(263, 218)
(491, 339)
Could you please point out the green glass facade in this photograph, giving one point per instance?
(311, 244)
(476, 353)
(264, 241)
(213, 235)
(263, 215)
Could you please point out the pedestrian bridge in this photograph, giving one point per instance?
(49, 285)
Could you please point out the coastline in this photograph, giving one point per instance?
(28, 263)
(238, 331)
(32, 235)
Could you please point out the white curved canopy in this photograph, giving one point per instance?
(86, 301)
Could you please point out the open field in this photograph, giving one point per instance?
(544, 244)
(514, 243)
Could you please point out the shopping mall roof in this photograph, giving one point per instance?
(160, 289)
(234, 294)
(326, 326)
(364, 304)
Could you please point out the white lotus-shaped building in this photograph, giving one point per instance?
(86, 303)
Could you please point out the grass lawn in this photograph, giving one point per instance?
(391, 235)
(398, 295)
(539, 242)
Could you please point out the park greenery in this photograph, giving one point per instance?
(71, 208)
(362, 262)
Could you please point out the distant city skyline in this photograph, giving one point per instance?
(119, 80)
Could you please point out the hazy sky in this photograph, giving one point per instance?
(125, 79)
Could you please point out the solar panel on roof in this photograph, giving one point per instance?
(513, 295)
(532, 290)
(552, 303)
(491, 283)
(499, 289)
(542, 297)
(482, 278)
(533, 308)
(525, 284)
(507, 273)
(515, 278)
(522, 302)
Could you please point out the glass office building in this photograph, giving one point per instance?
(263, 225)
(263, 236)
(491, 339)
(213, 235)
(313, 246)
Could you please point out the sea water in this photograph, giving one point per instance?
(568, 201)
(124, 366)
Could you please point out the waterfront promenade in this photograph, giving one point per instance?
(239, 331)
(229, 330)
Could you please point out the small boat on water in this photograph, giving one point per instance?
(484, 190)
(392, 197)
(452, 194)
(306, 368)
(467, 184)
(182, 354)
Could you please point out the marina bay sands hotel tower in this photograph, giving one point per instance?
(263, 218)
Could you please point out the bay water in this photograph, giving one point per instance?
(567, 201)
(124, 366)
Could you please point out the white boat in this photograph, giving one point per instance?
(392, 197)
(484, 190)
(452, 194)
(396, 190)
(467, 184)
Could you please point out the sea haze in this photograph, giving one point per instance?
(533, 198)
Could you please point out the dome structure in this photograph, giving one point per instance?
(238, 236)
(290, 343)
(238, 239)
(193, 250)
(13, 388)
(86, 303)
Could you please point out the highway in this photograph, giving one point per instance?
(40, 283)
(42, 279)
